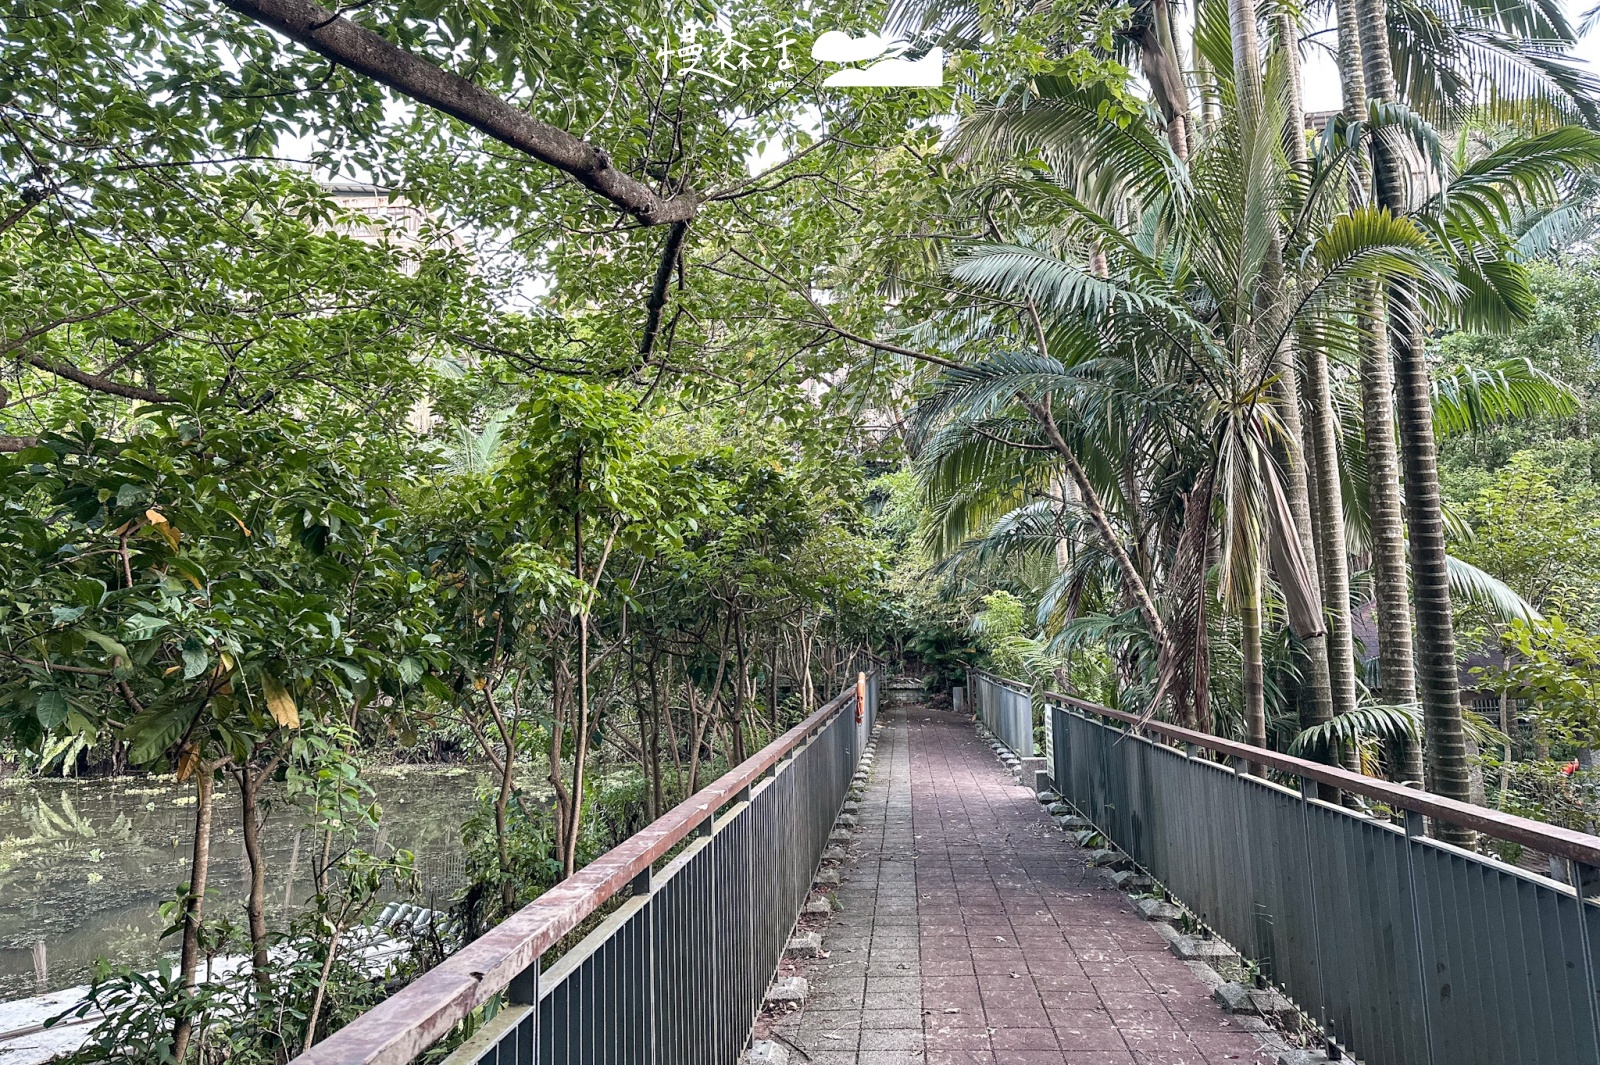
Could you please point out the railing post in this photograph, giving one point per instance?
(1416, 832)
(1586, 883)
(1308, 793)
(524, 991)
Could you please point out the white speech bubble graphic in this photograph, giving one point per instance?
(924, 73)
(837, 47)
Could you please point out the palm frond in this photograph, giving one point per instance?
(1472, 585)
(1066, 124)
(1350, 728)
(1471, 398)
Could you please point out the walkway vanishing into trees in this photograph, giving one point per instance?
(971, 930)
(922, 907)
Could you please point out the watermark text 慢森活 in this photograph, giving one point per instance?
(866, 61)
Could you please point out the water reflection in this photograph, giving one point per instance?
(84, 865)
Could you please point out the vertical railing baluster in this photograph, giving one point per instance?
(1586, 883)
(1416, 832)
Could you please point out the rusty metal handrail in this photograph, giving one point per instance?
(1579, 847)
(407, 1023)
(1005, 682)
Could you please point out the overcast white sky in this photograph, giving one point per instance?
(1322, 77)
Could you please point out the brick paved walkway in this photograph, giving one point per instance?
(971, 931)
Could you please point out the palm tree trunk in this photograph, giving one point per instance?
(1326, 691)
(1255, 687)
(1445, 747)
(1396, 673)
(1163, 71)
(1317, 704)
(1352, 79)
(1205, 79)
(1444, 739)
(1391, 588)
(1333, 560)
(1246, 55)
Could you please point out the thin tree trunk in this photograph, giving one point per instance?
(256, 902)
(1330, 517)
(1205, 80)
(1332, 552)
(502, 829)
(1390, 586)
(194, 903)
(1255, 688)
(1505, 755)
(1445, 748)
(1444, 745)
(569, 861)
(1331, 660)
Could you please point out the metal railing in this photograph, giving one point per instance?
(676, 973)
(1005, 708)
(1408, 950)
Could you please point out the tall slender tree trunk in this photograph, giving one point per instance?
(1331, 674)
(1250, 649)
(1333, 560)
(502, 826)
(1445, 740)
(1390, 585)
(194, 903)
(1205, 80)
(1445, 746)
(255, 906)
(580, 753)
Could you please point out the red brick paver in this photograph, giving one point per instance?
(964, 905)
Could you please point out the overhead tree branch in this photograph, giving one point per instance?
(884, 345)
(670, 251)
(359, 49)
(97, 384)
(72, 373)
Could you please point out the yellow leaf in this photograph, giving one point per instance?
(170, 532)
(155, 517)
(280, 702)
(239, 523)
(188, 760)
(170, 670)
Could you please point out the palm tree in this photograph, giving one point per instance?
(1452, 57)
(1174, 331)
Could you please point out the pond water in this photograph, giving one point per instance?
(85, 865)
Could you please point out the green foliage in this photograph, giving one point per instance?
(1556, 666)
(203, 587)
(535, 864)
(1540, 536)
